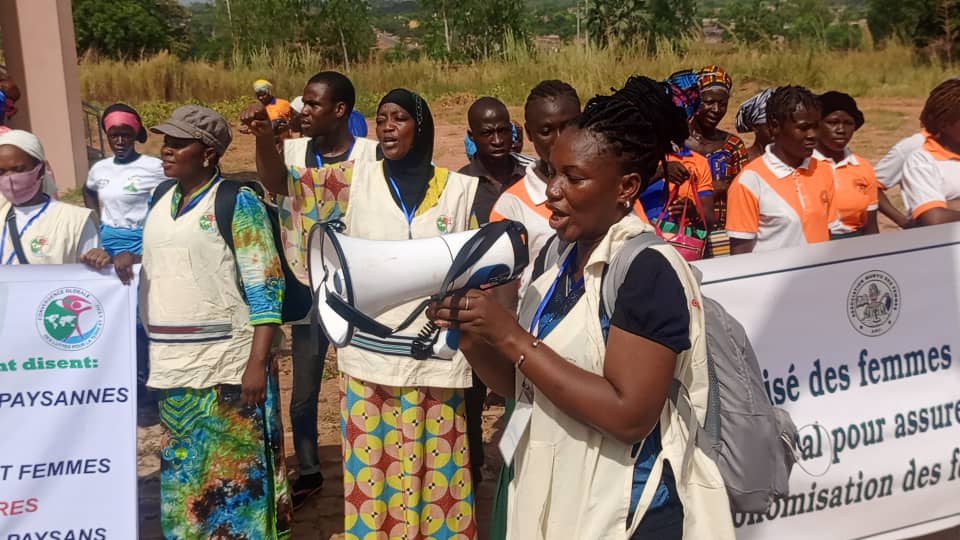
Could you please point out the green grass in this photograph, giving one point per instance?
(159, 83)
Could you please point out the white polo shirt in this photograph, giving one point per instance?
(931, 177)
(781, 206)
(890, 169)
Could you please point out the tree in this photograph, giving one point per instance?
(119, 28)
(913, 21)
(610, 22)
(344, 26)
(751, 22)
(475, 28)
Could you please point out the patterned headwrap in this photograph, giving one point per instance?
(262, 85)
(753, 112)
(714, 75)
(685, 89)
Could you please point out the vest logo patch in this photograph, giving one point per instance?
(444, 223)
(39, 245)
(207, 221)
(70, 319)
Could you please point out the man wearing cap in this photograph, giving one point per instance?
(211, 313)
(327, 141)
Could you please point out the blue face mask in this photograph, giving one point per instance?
(3, 105)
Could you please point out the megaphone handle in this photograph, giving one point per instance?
(452, 339)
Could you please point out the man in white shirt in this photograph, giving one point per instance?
(327, 101)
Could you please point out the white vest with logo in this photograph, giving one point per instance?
(572, 480)
(295, 151)
(197, 320)
(372, 214)
(54, 238)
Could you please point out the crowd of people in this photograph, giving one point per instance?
(601, 446)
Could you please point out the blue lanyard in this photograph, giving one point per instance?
(320, 158)
(535, 323)
(408, 213)
(3, 239)
(197, 197)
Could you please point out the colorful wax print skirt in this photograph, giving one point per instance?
(406, 463)
(222, 474)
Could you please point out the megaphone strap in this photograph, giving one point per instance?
(477, 247)
(392, 346)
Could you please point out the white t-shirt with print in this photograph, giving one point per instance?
(124, 189)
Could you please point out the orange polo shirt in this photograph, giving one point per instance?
(701, 178)
(858, 191)
(780, 206)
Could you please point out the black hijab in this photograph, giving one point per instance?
(413, 172)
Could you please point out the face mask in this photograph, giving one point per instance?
(20, 187)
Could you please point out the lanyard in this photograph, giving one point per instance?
(408, 213)
(197, 197)
(535, 323)
(320, 158)
(3, 239)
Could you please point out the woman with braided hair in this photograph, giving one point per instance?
(600, 450)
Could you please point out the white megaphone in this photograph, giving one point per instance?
(355, 280)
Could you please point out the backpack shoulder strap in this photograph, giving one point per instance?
(161, 190)
(549, 256)
(617, 270)
(225, 205)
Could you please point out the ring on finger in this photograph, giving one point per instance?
(467, 307)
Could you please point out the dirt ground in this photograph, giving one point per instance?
(888, 120)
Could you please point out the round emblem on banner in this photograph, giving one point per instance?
(70, 318)
(873, 304)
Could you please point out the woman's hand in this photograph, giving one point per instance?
(676, 173)
(478, 315)
(253, 384)
(96, 258)
(123, 266)
(677, 208)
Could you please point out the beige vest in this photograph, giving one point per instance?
(372, 214)
(295, 151)
(54, 238)
(573, 481)
(197, 321)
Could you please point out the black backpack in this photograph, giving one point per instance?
(297, 299)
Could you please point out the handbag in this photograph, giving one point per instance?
(688, 240)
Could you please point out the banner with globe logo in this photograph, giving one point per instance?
(67, 404)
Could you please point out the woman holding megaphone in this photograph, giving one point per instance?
(597, 446)
(405, 453)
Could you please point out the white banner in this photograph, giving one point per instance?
(68, 434)
(862, 337)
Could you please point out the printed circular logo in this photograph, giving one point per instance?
(207, 221)
(873, 304)
(70, 319)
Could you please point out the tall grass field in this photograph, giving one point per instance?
(157, 84)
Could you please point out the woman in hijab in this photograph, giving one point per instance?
(857, 188)
(752, 118)
(37, 229)
(406, 456)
